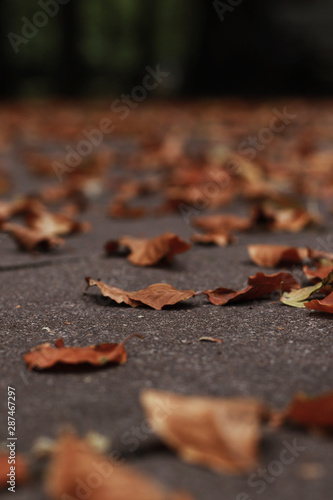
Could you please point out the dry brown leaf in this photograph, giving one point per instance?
(31, 239)
(117, 294)
(120, 210)
(321, 272)
(77, 471)
(156, 296)
(276, 218)
(220, 433)
(222, 223)
(325, 305)
(5, 182)
(148, 252)
(276, 255)
(45, 356)
(219, 238)
(22, 474)
(316, 412)
(210, 339)
(259, 285)
(51, 224)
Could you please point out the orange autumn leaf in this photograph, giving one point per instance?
(77, 471)
(52, 224)
(321, 272)
(259, 285)
(325, 305)
(120, 210)
(31, 239)
(316, 412)
(22, 474)
(275, 255)
(45, 356)
(147, 252)
(280, 218)
(220, 239)
(156, 296)
(17, 206)
(222, 434)
(278, 255)
(222, 223)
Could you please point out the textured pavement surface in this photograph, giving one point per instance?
(269, 351)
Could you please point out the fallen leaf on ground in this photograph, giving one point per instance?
(77, 471)
(120, 210)
(222, 223)
(21, 469)
(322, 270)
(297, 298)
(316, 412)
(325, 305)
(52, 224)
(220, 433)
(147, 252)
(45, 356)
(259, 285)
(221, 239)
(276, 255)
(31, 239)
(278, 218)
(300, 298)
(156, 296)
(210, 339)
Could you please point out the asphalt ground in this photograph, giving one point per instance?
(269, 351)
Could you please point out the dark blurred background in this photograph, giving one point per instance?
(101, 47)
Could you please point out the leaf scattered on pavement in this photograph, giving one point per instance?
(148, 252)
(74, 460)
(45, 356)
(156, 296)
(220, 433)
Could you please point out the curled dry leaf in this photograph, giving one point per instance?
(220, 433)
(156, 296)
(147, 252)
(45, 356)
(325, 305)
(222, 223)
(74, 460)
(259, 285)
(22, 474)
(31, 239)
(297, 298)
(52, 224)
(279, 218)
(210, 339)
(17, 206)
(219, 238)
(309, 412)
(118, 209)
(324, 267)
(301, 298)
(278, 255)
